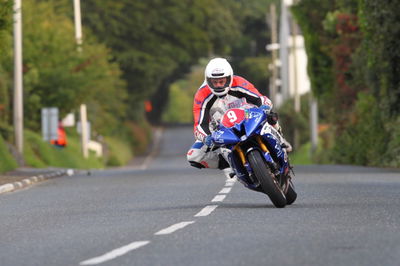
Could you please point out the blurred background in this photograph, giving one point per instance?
(331, 67)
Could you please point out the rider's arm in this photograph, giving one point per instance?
(243, 88)
(202, 103)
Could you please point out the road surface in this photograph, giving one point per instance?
(167, 213)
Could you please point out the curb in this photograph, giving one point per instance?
(32, 180)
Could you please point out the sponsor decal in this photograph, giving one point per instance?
(238, 103)
(217, 136)
(217, 71)
(254, 115)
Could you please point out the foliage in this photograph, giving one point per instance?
(5, 23)
(310, 18)
(38, 153)
(254, 69)
(56, 74)
(359, 39)
(7, 162)
(180, 103)
(379, 21)
(363, 142)
(156, 41)
(290, 120)
(117, 153)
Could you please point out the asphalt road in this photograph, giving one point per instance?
(171, 214)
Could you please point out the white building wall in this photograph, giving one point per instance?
(301, 77)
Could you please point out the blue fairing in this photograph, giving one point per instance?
(255, 117)
(227, 136)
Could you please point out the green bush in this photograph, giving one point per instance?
(364, 141)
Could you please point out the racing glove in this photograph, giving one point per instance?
(266, 108)
(208, 140)
(272, 118)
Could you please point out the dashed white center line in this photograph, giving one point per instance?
(115, 253)
(230, 182)
(218, 198)
(206, 210)
(225, 190)
(137, 244)
(173, 228)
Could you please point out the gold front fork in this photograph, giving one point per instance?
(262, 145)
(240, 153)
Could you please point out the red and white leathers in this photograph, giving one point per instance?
(209, 108)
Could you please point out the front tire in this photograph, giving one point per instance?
(291, 194)
(264, 175)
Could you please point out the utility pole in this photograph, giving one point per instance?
(84, 130)
(284, 34)
(18, 84)
(313, 123)
(274, 40)
(78, 24)
(297, 105)
(83, 111)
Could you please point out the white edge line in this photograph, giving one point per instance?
(115, 253)
(6, 188)
(173, 228)
(206, 210)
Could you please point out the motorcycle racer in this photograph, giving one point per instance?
(220, 91)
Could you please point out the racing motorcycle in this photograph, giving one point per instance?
(255, 151)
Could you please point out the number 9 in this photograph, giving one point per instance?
(232, 116)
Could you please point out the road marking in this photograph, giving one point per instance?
(173, 228)
(206, 210)
(115, 253)
(230, 182)
(218, 198)
(225, 190)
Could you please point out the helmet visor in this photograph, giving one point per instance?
(218, 84)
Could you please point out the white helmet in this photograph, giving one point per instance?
(219, 68)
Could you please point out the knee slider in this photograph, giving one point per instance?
(196, 164)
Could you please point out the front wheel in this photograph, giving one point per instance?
(264, 175)
(291, 194)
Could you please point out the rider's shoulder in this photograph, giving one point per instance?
(203, 92)
(239, 81)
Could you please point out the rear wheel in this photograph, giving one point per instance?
(264, 175)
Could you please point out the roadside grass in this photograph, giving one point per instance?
(38, 153)
(7, 161)
(41, 154)
(118, 153)
(301, 156)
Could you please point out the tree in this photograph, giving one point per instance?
(55, 74)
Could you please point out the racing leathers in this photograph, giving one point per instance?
(208, 109)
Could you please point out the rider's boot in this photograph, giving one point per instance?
(285, 144)
(272, 119)
(225, 167)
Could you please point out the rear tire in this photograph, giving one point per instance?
(264, 175)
